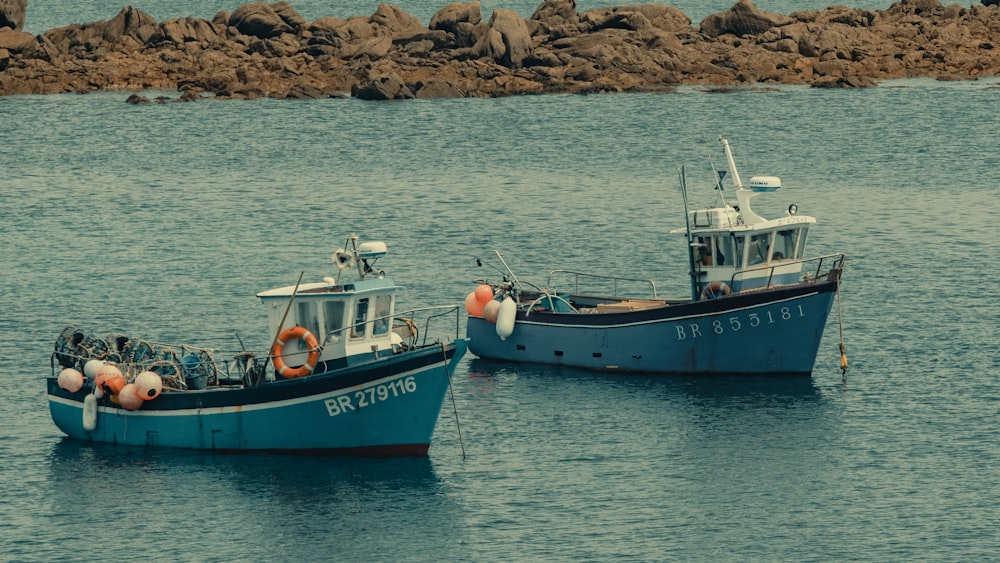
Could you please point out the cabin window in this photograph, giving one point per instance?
(333, 318)
(802, 243)
(784, 245)
(740, 242)
(760, 245)
(724, 251)
(305, 315)
(705, 250)
(360, 318)
(381, 320)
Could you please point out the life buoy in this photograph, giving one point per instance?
(714, 290)
(311, 343)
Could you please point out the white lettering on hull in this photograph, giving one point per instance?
(737, 323)
(370, 396)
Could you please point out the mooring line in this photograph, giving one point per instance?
(840, 321)
(451, 392)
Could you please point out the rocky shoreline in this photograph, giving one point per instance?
(270, 50)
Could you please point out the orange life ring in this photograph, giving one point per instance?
(311, 343)
(715, 289)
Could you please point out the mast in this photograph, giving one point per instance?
(731, 163)
(687, 226)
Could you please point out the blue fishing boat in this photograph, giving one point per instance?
(347, 373)
(758, 304)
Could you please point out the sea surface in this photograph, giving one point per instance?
(163, 221)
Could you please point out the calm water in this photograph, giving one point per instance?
(163, 221)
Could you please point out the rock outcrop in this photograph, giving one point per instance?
(268, 49)
(12, 14)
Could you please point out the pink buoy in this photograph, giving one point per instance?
(129, 397)
(149, 385)
(491, 311)
(92, 366)
(70, 380)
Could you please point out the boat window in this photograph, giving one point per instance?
(305, 315)
(802, 242)
(724, 251)
(740, 242)
(382, 308)
(784, 245)
(360, 318)
(704, 250)
(333, 317)
(760, 245)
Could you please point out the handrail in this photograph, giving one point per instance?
(838, 264)
(616, 279)
(445, 309)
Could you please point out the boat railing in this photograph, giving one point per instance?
(833, 264)
(429, 314)
(414, 318)
(615, 279)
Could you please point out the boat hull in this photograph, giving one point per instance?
(773, 331)
(382, 407)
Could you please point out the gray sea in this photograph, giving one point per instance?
(163, 221)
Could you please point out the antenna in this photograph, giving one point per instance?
(511, 272)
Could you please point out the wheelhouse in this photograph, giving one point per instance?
(746, 247)
(350, 321)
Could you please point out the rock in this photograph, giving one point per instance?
(12, 14)
(287, 13)
(259, 20)
(16, 41)
(373, 48)
(507, 41)
(742, 19)
(438, 89)
(448, 18)
(269, 50)
(302, 91)
(396, 23)
(389, 87)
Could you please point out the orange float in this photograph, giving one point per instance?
(473, 306)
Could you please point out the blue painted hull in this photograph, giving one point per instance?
(773, 331)
(384, 407)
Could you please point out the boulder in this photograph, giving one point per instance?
(742, 19)
(12, 14)
(389, 87)
(438, 89)
(16, 41)
(507, 42)
(258, 20)
(448, 18)
(396, 23)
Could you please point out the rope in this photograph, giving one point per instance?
(840, 322)
(451, 392)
